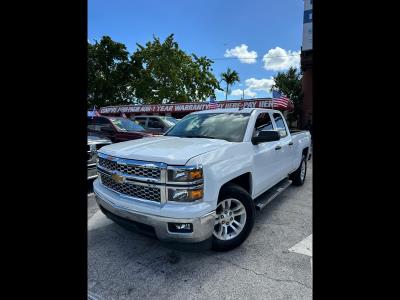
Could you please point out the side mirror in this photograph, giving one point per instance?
(265, 136)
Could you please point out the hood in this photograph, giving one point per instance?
(93, 139)
(166, 149)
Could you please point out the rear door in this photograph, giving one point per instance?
(266, 157)
(90, 124)
(286, 146)
(142, 121)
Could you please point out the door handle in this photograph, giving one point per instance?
(291, 143)
(278, 147)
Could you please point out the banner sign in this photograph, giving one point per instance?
(189, 107)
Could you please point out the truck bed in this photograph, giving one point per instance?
(296, 131)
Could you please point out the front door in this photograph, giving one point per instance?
(266, 157)
(101, 126)
(155, 125)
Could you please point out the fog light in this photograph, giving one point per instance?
(180, 227)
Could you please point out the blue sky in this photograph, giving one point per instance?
(219, 29)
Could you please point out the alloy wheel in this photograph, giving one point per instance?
(230, 219)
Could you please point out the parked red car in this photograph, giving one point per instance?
(117, 129)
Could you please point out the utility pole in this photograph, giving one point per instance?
(243, 95)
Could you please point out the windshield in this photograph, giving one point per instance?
(126, 125)
(170, 121)
(225, 126)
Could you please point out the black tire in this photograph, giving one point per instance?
(234, 191)
(296, 177)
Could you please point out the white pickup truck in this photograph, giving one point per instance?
(200, 180)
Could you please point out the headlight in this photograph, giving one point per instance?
(185, 174)
(185, 195)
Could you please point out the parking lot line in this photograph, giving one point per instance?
(95, 220)
(93, 296)
(303, 247)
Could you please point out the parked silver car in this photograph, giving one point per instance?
(94, 143)
(155, 124)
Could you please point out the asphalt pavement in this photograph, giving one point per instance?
(273, 263)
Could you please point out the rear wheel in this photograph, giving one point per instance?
(298, 177)
(235, 218)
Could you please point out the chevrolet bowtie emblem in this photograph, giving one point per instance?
(118, 178)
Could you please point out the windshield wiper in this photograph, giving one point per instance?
(200, 136)
(179, 136)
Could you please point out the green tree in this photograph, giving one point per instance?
(230, 77)
(289, 83)
(163, 73)
(109, 73)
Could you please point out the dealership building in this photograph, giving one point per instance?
(306, 63)
(179, 110)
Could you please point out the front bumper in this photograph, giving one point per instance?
(203, 226)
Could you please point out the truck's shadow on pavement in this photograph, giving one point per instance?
(120, 246)
(123, 264)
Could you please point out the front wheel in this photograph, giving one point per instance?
(235, 218)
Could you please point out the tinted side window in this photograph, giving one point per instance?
(263, 123)
(155, 123)
(91, 123)
(102, 121)
(98, 123)
(141, 121)
(280, 124)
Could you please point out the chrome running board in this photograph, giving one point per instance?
(272, 193)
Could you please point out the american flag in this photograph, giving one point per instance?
(279, 100)
(93, 113)
(213, 104)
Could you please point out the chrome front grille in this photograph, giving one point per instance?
(145, 172)
(138, 179)
(131, 189)
(108, 164)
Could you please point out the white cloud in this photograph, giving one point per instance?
(219, 95)
(253, 86)
(237, 92)
(247, 92)
(241, 52)
(263, 84)
(279, 59)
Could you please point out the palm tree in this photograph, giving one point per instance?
(230, 77)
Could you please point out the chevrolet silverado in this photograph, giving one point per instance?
(200, 181)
